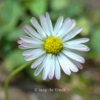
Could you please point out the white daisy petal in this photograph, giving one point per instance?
(31, 40)
(76, 51)
(77, 41)
(70, 64)
(31, 32)
(74, 56)
(47, 66)
(58, 24)
(72, 33)
(57, 69)
(73, 67)
(36, 54)
(52, 68)
(80, 47)
(64, 66)
(37, 61)
(68, 28)
(44, 24)
(38, 27)
(39, 69)
(64, 27)
(41, 66)
(21, 47)
(19, 41)
(49, 23)
(30, 52)
(31, 45)
(77, 64)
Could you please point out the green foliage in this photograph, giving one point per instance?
(14, 35)
(85, 24)
(10, 14)
(37, 7)
(95, 40)
(59, 4)
(94, 43)
(13, 59)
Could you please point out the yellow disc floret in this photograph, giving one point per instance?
(53, 45)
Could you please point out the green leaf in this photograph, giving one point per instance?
(59, 4)
(37, 7)
(15, 34)
(13, 59)
(85, 24)
(75, 8)
(95, 42)
(10, 14)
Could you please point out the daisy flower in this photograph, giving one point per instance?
(52, 48)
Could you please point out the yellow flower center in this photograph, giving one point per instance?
(53, 45)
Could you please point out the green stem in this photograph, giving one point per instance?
(20, 68)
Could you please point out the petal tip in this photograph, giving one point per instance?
(69, 74)
(58, 78)
(19, 41)
(80, 28)
(88, 49)
(27, 58)
(35, 74)
(32, 19)
(88, 39)
(25, 26)
(76, 70)
(47, 13)
(20, 47)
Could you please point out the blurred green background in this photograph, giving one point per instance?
(84, 85)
